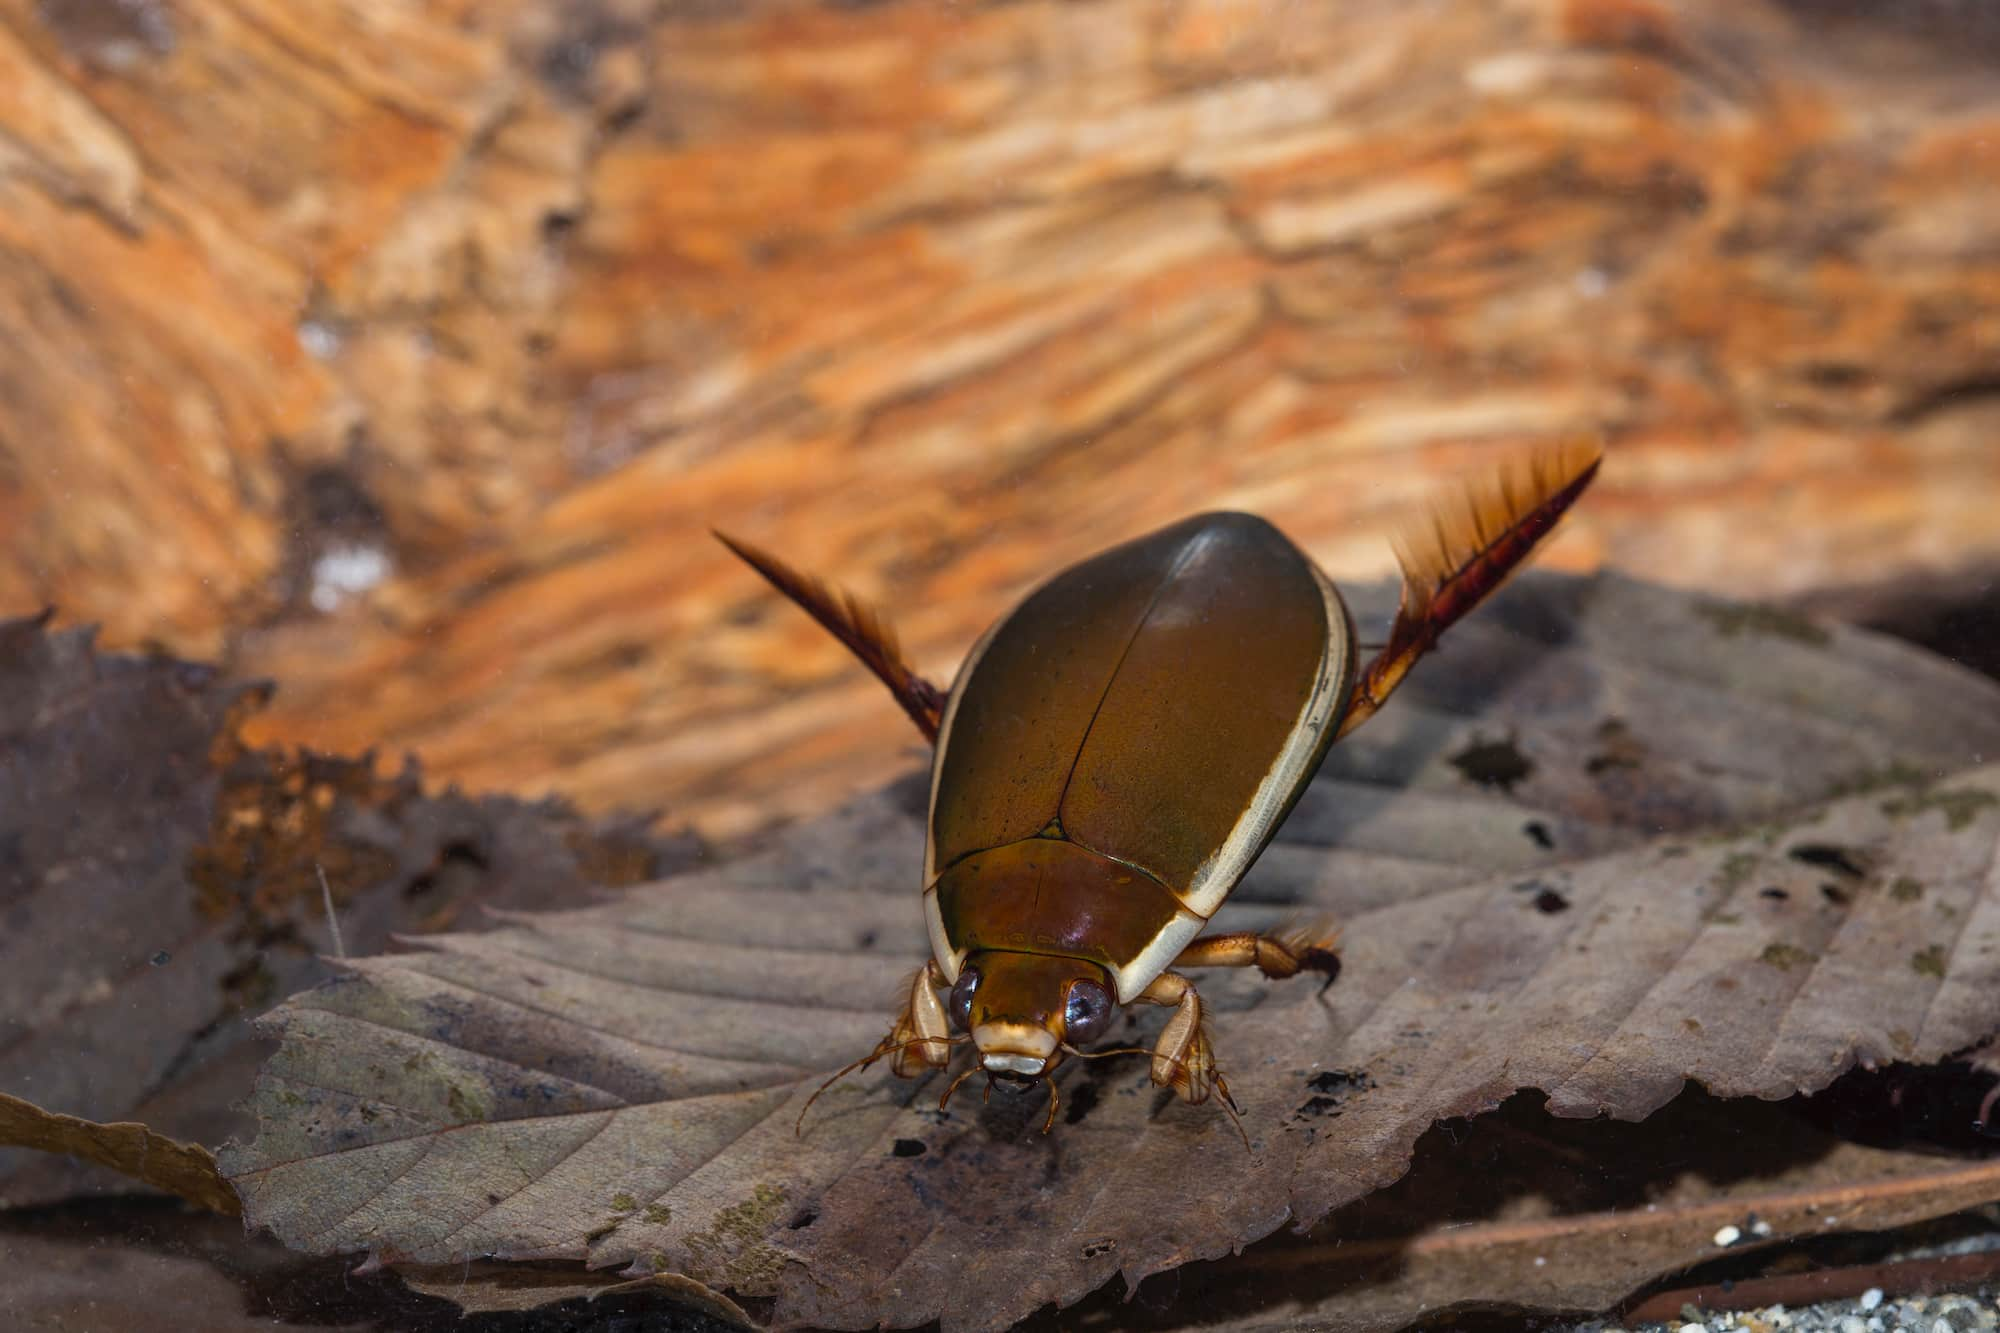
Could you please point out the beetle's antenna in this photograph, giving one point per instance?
(887, 1048)
(1227, 1102)
(970, 1070)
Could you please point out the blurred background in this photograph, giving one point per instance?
(406, 353)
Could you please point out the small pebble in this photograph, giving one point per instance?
(1853, 1324)
(1726, 1237)
(1871, 1298)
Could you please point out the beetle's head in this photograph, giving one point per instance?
(1022, 1008)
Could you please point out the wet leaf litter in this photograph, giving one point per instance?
(513, 1092)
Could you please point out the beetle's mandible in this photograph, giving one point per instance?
(1117, 750)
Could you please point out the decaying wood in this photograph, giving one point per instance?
(518, 299)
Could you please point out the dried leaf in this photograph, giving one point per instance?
(186, 1169)
(1522, 851)
(159, 882)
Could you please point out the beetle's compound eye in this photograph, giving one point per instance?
(961, 998)
(1088, 1012)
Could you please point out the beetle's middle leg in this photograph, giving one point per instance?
(1277, 953)
(1182, 1059)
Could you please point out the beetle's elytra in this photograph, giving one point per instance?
(1118, 749)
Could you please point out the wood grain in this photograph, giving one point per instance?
(523, 298)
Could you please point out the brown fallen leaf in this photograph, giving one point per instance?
(1525, 855)
(159, 882)
(186, 1169)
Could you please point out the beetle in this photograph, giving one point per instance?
(1117, 750)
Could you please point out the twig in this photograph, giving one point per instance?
(332, 922)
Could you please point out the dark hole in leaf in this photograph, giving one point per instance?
(908, 1148)
(1834, 894)
(1093, 1248)
(1773, 892)
(1538, 833)
(1551, 902)
(1493, 764)
(1621, 749)
(806, 1218)
(161, 959)
(1332, 1085)
(865, 940)
(1828, 857)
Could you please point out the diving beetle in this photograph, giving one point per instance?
(1118, 749)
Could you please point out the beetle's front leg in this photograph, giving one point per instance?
(1182, 1059)
(1277, 954)
(918, 1041)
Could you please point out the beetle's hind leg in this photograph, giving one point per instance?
(920, 1040)
(1277, 953)
(1182, 1058)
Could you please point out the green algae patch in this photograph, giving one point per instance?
(1785, 957)
(732, 1249)
(1736, 867)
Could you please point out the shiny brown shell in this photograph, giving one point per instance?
(1118, 749)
